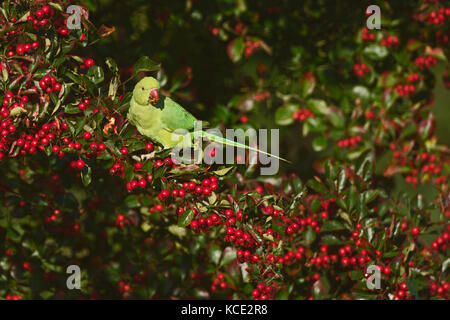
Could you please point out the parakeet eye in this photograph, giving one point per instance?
(143, 88)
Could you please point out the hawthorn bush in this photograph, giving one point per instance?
(369, 179)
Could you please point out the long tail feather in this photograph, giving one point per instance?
(228, 142)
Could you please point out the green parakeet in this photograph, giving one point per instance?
(157, 117)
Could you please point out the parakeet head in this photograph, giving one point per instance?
(146, 91)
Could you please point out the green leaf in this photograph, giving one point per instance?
(235, 49)
(319, 143)
(229, 256)
(336, 119)
(307, 84)
(315, 125)
(332, 225)
(376, 52)
(283, 115)
(317, 186)
(95, 74)
(310, 235)
(364, 165)
(370, 195)
(409, 130)
(342, 179)
(297, 184)
(361, 92)
(112, 65)
(128, 171)
(71, 109)
(132, 201)
(215, 252)
(176, 230)
(317, 106)
(145, 64)
(86, 177)
(222, 172)
(185, 219)
(331, 240)
(351, 199)
(445, 265)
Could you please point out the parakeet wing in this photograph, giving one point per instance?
(175, 116)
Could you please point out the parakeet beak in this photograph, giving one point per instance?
(154, 96)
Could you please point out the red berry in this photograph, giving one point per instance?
(149, 146)
(255, 293)
(80, 164)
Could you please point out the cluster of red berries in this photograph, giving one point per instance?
(425, 62)
(240, 238)
(49, 84)
(219, 282)
(141, 183)
(390, 42)
(271, 211)
(168, 162)
(405, 90)
(402, 293)
(302, 114)
(294, 227)
(13, 297)
(366, 35)
(262, 96)
(414, 77)
(30, 144)
(441, 242)
(156, 208)
(430, 167)
(22, 48)
(9, 98)
(438, 16)
(55, 215)
(361, 69)
(122, 220)
(27, 266)
(349, 142)
(263, 292)
(441, 38)
(63, 31)
(84, 104)
(87, 63)
(369, 114)
(123, 287)
(77, 164)
(204, 224)
(246, 256)
(412, 179)
(250, 47)
(440, 290)
(41, 17)
(204, 188)
(289, 258)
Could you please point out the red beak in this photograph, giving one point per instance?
(154, 95)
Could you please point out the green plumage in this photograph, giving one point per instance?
(157, 121)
